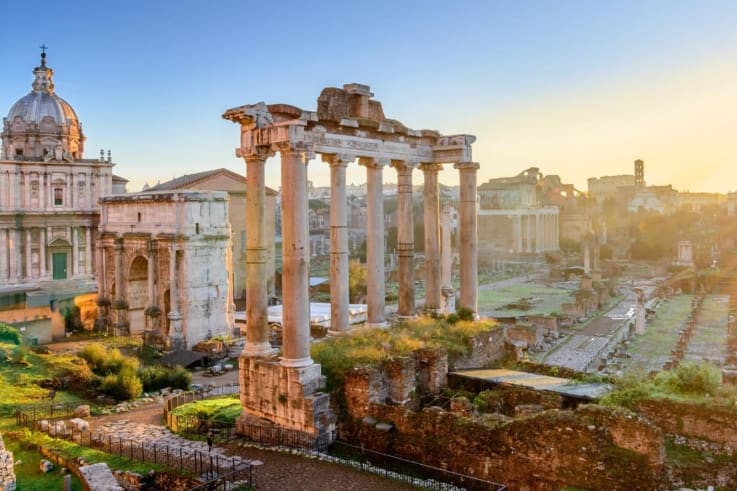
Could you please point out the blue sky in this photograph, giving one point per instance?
(576, 88)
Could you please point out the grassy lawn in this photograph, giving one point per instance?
(19, 381)
(29, 476)
(709, 339)
(543, 300)
(650, 350)
(224, 410)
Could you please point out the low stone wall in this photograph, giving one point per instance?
(592, 447)
(692, 420)
(7, 470)
(484, 349)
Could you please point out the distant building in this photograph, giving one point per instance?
(511, 219)
(615, 187)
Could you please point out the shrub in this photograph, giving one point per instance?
(10, 334)
(94, 354)
(104, 362)
(691, 378)
(122, 386)
(465, 314)
(157, 377)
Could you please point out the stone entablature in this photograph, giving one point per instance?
(142, 235)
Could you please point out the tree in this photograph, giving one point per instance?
(357, 275)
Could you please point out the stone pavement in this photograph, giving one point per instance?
(150, 435)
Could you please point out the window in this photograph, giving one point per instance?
(58, 196)
(19, 152)
(196, 228)
(139, 217)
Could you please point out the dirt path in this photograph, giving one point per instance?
(274, 470)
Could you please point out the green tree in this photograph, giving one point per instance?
(357, 275)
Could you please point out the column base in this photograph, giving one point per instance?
(286, 401)
(380, 325)
(296, 362)
(259, 350)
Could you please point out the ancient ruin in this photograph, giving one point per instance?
(348, 125)
(165, 256)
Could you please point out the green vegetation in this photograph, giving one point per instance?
(121, 377)
(534, 300)
(690, 382)
(157, 377)
(10, 334)
(652, 349)
(70, 450)
(220, 411)
(20, 384)
(372, 347)
(27, 474)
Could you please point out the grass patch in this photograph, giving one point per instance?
(371, 347)
(523, 299)
(27, 474)
(690, 382)
(70, 450)
(220, 410)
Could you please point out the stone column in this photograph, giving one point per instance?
(339, 292)
(405, 239)
(518, 233)
(538, 232)
(432, 237)
(586, 256)
(468, 236)
(71, 203)
(75, 250)
(119, 289)
(175, 318)
(19, 255)
(42, 242)
(27, 192)
(29, 256)
(375, 241)
(3, 256)
(257, 300)
(152, 273)
(42, 190)
(15, 188)
(88, 251)
(295, 258)
(448, 304)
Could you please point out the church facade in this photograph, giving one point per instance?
(48, 198)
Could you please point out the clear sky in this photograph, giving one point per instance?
(576, 88)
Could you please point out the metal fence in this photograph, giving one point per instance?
(210, 467)
(193, 424)
(27, 416)
(408, 471)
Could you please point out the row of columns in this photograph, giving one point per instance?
(295, 246)
(16, 253)
(18, 186)
(535, 232)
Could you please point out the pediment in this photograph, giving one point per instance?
(59, 242)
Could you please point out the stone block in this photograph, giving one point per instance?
(82, 411)
(45, 466)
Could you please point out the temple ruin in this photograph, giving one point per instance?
(347, 126)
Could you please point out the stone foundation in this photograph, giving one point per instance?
(7, 471)
(290, 398)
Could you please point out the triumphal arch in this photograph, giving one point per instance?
(347, 126)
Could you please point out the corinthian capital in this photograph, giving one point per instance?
(338, 159)
(260, 152)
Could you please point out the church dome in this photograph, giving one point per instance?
(35, 106)
(42, 124)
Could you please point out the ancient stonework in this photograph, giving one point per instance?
(7, 472)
